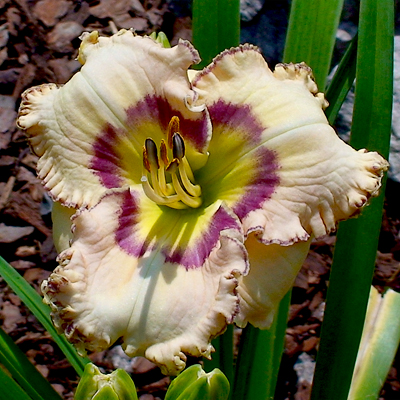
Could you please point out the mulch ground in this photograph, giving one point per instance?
(38, 44)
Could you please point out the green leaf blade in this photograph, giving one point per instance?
(357, 240)
(379, 344)
(259, 357)
(28, 377)
(42, 312)
(10, 389)
(216, 27)
(342, 81)
(311, 35)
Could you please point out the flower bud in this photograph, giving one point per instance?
(97, 386)
(194, 383)
(161, 37)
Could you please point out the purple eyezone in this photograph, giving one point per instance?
(237, 117)
(106, 161)
(262, 187)
(192, 256)
(126, 235)
(195, 255)
(155, 108)
(228, 117)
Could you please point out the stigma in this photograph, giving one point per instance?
(167, 178)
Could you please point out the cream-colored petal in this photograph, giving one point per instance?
(319, 186)
(119, 72)
(280, 101)
(318, 179)
(273, 269)
(62, 226)
(161, 310)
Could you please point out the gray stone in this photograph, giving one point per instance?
(267, 29)
(304, 367)
(250, 8)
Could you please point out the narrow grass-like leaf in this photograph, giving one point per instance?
(9, 389)
(342, 81)
(21, 369)
(216, 27)
(41, 311)
(311, 35)
(379, 344)
(355, 251)
(259, 358)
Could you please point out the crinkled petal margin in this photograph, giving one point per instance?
(161, 310)
(321, 179)
(64, 122)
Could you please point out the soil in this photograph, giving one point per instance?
(38, 44)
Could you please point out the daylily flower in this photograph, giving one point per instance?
(194, 202)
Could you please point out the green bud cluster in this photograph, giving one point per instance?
(97, 386)
(195, 384)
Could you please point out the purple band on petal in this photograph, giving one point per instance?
(189, 257)
(237, 117)
(106, 162)
(157, 109)
(195, 256)
(262, 186)
(240, 119)
(126, 233)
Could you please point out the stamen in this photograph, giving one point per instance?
(163, 153)
(188, 169)
(193, 202)
(173, 127)
(151, 150)
(172, 166)
(152, 195)
(150, 162)
(146, 163)
(181, 192)
(178, 146)
(155, 182)
(166, 188)
(194, 190)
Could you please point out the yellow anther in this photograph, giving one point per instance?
(146, 163)
(163, 153)
(173, 127)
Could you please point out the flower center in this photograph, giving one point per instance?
(169, 182)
